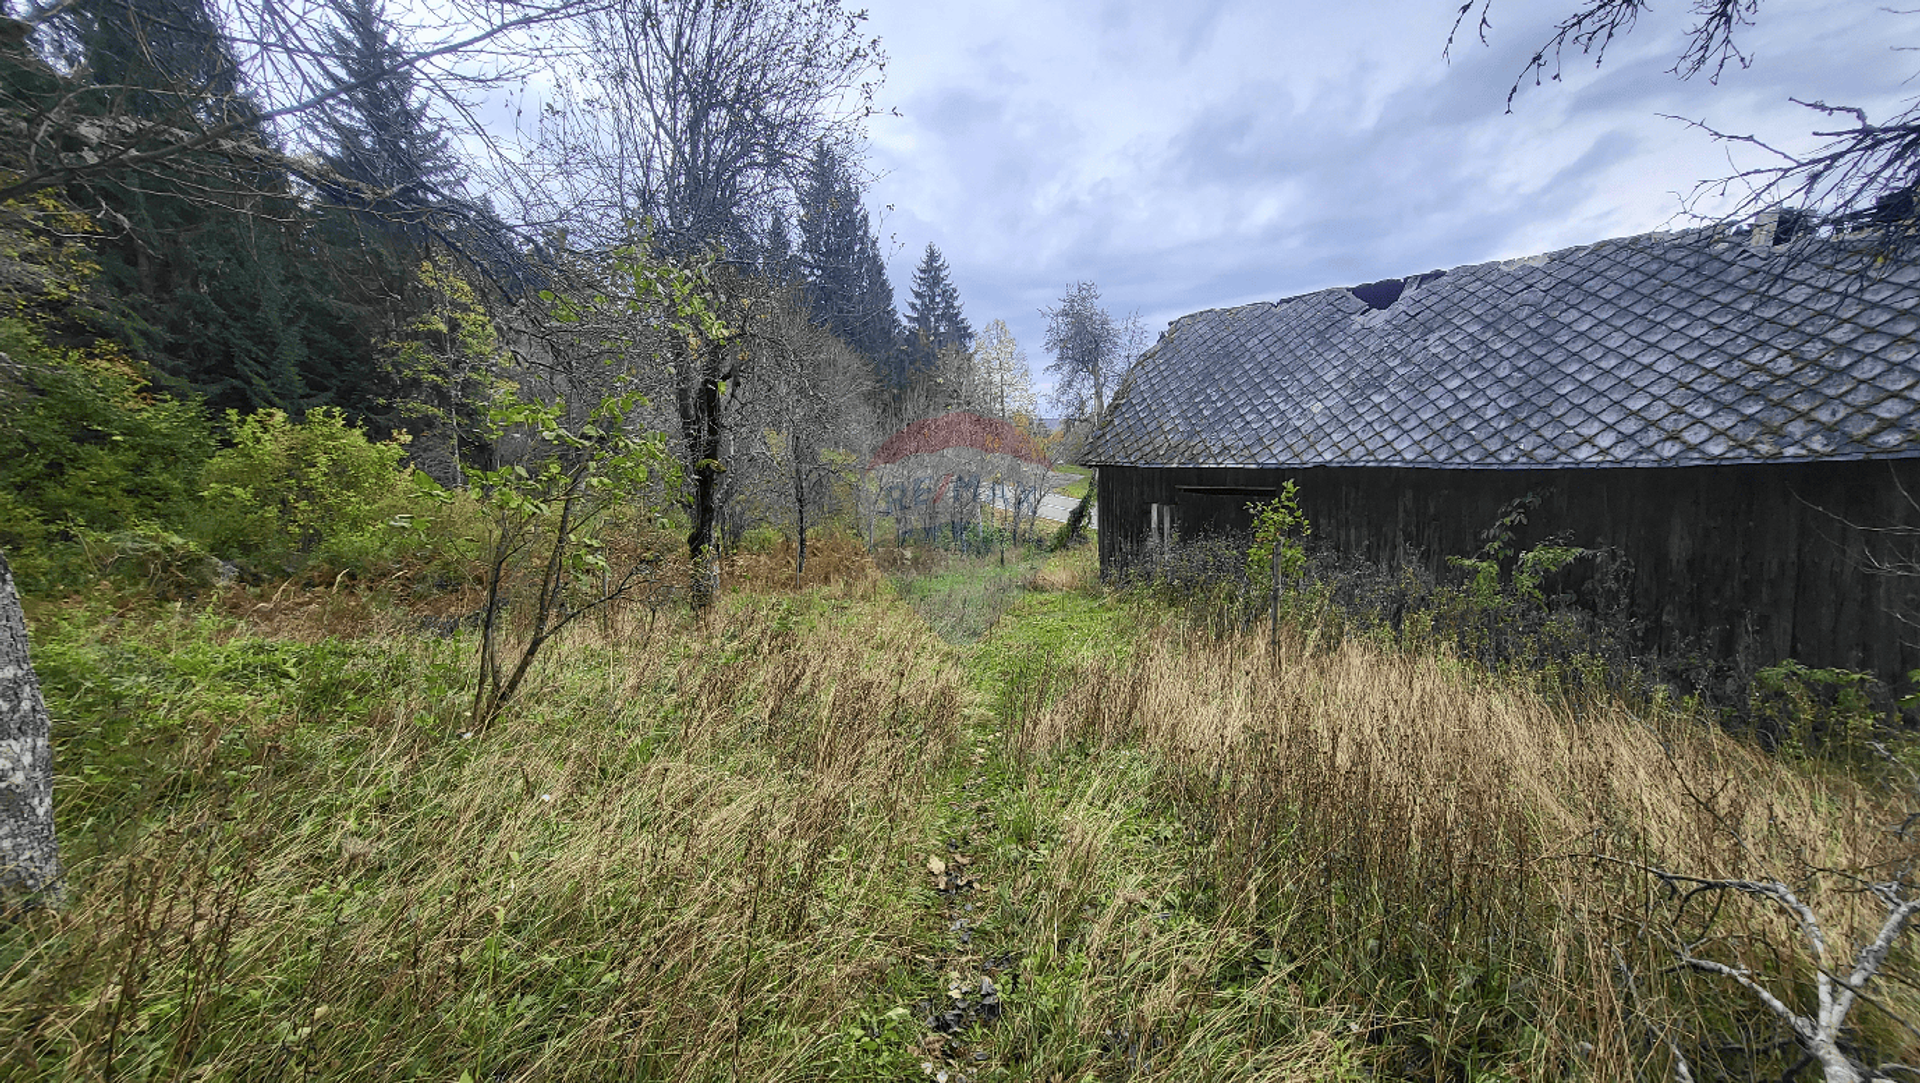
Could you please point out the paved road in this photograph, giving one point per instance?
(1055, 508)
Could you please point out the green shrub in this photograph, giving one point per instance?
(290, 494)
(1798, 709)
(149, 557)
(86, 447)
(1076, 524)
(1278, 524)
(760, 539)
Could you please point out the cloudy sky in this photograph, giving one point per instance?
(1216, 152)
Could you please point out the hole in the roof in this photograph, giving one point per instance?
(1381, 295)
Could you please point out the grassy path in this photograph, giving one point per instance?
(1068, 943)
(1180, 857)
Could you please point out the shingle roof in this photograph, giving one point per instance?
(1663, 350)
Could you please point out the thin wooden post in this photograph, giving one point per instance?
(1274, 645)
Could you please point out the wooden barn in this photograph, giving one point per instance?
(1740, 422)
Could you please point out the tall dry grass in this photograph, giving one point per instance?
(1255, 853)
(679, 862)
(834, 558)
(706, 849)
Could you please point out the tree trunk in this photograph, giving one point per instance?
(29, 852)
(701, 428)
(800, 512)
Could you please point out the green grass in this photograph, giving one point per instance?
(984, 820)
(1045, 639)
(680, 858)
(961, 596)
(1077, 489)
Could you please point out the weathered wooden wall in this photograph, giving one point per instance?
(1751, 562)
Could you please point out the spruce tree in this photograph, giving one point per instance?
(385, 141)
(778, 261)
(876, 330)
(935, 309)
(848, 290)
(212, 278)
(829, 241)
(158, 60)
(934, 319)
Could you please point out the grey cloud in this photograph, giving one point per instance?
(1387, 166)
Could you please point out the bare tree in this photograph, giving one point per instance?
(1085, 345)
(807, 415)
(692, 121)
(673, 329)
(699, 115)
(1135, 340)
(1864, 176)
(72, 123)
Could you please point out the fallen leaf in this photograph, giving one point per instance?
(936, 866)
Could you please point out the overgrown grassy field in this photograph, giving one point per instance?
(975, 821)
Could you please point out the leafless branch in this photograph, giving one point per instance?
(1592, 28)
(114, 145)
(1835, 992)
(1863, 177)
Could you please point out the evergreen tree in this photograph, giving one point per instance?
(157, 59)
(235, 306)
(407, 204)
(213, 276)
(778, 261)
(829, 240)
(848, 290)
(876, 330)
(934, 312)
(935, 324)
(408, 179)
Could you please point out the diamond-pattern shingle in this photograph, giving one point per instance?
(1649, 351)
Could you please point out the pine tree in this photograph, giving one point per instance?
(236, 307)
(408, 197)
(384, 139)
(934, 312)
(848, 290)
